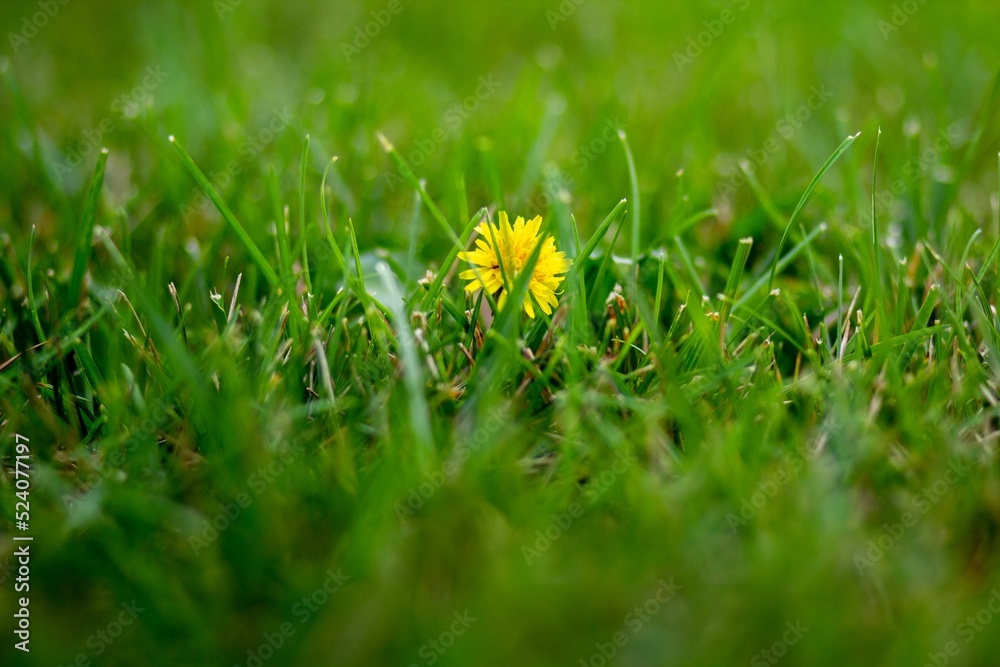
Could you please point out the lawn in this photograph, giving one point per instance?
(560, 332)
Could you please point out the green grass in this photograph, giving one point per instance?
(261, 406)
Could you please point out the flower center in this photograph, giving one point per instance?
(514, 264)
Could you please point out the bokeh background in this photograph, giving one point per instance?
(493, 104)
(561, 75)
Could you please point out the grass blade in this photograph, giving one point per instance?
(875, 261)
(285, 254)
(32, 302)
(920, 322)
(84, 242)
(227, 215)
(636, 207)
(805, 198)
(735, 273)
(782, 263)
(413, 375)
(303, 240)
(412, 179)
(434, 289)
(596, 238)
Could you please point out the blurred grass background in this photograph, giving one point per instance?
(241, 84)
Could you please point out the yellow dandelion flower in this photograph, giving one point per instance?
(511, 247)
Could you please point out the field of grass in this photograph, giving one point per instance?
(249, 414)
